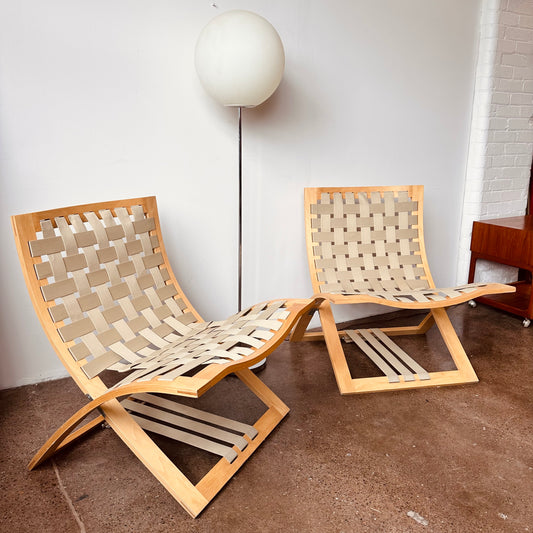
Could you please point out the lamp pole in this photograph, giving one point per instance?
(239, 59)
(239, 302)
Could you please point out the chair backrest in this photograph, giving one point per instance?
(366, 239)
(100, 282)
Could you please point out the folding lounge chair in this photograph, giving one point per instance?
(100, 282)
(366, 245)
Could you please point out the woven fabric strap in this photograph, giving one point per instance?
(367, 244)
(371, 246)
(213, 342)
(421, 295)
(109, 294)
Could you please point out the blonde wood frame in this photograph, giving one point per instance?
(464, 372)
(193, 498)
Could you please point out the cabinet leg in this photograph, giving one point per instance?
(472, 269)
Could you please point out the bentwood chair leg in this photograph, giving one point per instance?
(420, 329)
(462, 363)
(348, 385)
(154, 459)
(334, 346)
(301, 326)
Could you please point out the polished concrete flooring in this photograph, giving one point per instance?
(453, 459)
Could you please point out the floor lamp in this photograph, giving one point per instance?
(239, 59)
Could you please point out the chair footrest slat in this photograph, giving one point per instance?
(406, 358)
(195, 428)
(188, 438)
(387, 355)
(191, 412)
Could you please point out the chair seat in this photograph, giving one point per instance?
(424, 298)
(209, 343)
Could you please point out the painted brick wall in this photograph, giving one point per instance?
(501, 139)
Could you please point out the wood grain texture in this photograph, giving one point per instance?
(506, 241)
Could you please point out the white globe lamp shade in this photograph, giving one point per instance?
(239, 58)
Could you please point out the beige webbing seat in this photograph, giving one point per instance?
(366, 245)
(100, 282)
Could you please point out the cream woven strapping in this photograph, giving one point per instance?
(371, 245)
(109, 292)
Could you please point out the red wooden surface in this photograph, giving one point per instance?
(507, 241)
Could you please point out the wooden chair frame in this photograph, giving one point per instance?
(355, 240)
(129, 408)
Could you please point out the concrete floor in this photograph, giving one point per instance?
(460, 457)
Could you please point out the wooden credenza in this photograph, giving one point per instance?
(508, 241)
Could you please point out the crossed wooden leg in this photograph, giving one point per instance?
(124, 420)
(399, 369)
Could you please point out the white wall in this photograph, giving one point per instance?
(501, 138)
(100, 100)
